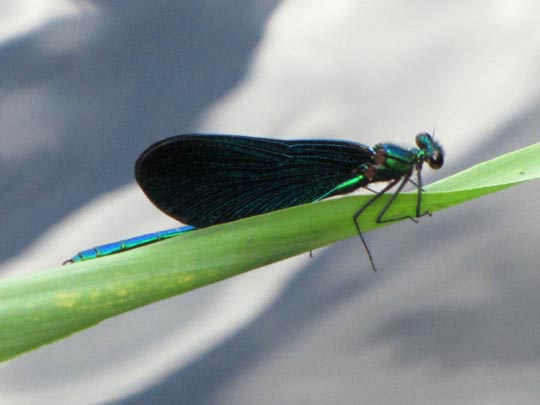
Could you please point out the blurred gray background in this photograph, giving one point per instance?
(451, 317)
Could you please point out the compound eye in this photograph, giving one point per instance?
(436, 161)
(423, 140)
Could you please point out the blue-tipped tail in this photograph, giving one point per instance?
(127, 244)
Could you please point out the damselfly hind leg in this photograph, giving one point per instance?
(390, 201)
(361, 210)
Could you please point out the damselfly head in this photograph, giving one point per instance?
(432, 151)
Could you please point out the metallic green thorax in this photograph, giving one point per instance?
(398, 162)
(392, 162)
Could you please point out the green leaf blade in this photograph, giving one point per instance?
(49, 305)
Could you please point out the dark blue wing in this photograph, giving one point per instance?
(202, 180)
